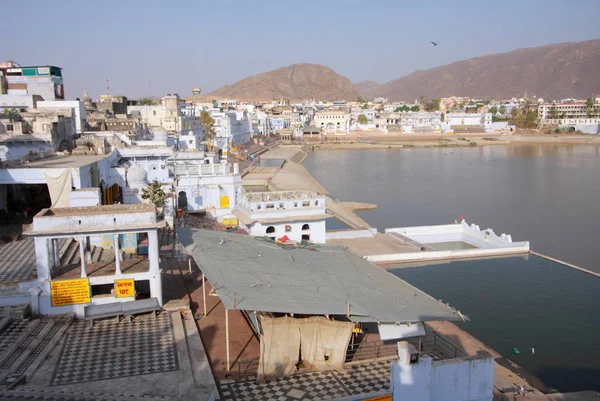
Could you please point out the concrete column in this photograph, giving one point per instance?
(212, 168)
(56, 251)
(153, 251)
(82, 256)
(42, 258)
(34, 300)
(236, 168)
(117, 254)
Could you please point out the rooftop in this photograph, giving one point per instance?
(62, 161)
(249, 274)
(104, 209)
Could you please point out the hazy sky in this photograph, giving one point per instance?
(148, 47)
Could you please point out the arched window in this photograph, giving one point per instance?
(270, 229)
(305, 227)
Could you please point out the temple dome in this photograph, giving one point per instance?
(136, 175)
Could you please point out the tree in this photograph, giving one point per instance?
(589, 103)
(364, 106)
(155, 194)
(493, 110)
(207, 123)
(554, 114)
(12, 113)
(362, 119)
(502, 109)
(415, 108)
(146, 101)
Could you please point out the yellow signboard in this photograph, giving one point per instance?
(125, 288)
(224, 202)
(70, 292)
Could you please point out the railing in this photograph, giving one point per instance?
(371, 350)
(439, 346)
(362, 352)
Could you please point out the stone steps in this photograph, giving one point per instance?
(20, 361)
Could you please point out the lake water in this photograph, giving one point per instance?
(546, 194)
(524, 303)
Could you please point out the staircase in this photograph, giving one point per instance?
(69, 253)
(30, 343)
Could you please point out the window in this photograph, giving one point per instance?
(288, 229)
(154, 112)
(270, 230)
(9, 127)
(305, 227)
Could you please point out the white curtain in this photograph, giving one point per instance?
(59, 185)
(322, 342)
(279, 347)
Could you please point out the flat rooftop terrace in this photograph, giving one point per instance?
(63, 161)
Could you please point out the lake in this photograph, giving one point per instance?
(548, 194)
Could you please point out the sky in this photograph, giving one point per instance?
(151, 48)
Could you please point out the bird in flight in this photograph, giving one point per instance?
(433, 43)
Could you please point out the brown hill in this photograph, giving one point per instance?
(552, 72)
(365, 86)
(296, 82)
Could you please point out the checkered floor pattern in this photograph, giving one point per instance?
(10, 334)
(17, 261)
(110, 349)
(358, 379)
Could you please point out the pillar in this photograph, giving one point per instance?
(154, 266)
(117, 254)
(236, 168)
(42, 258)
(82, 256)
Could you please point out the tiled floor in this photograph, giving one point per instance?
(17, 261)
(358, 379)
(110, 350)
(11, 333)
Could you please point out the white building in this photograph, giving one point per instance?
(333, 122)
(550, 112)
(167, 115)
(201, 185)
(231, 127)
(299, 215)
(44, 81)
(420, 121)
(469, 119)
(76, 106)
(59, 287)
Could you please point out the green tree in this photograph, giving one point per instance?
(364, 106)
(502, 109)
(589, 103)
(415, 108)
(155, 194)
(146, 101)
(362, 119)
(12, 113)
(207, 123)
(554, 114)
(493, 110)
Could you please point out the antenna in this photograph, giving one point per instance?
(107, 86)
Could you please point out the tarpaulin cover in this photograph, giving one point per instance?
(59, 186)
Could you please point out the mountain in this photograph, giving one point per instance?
(556, 71)
(296, 82)
(365, 86)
